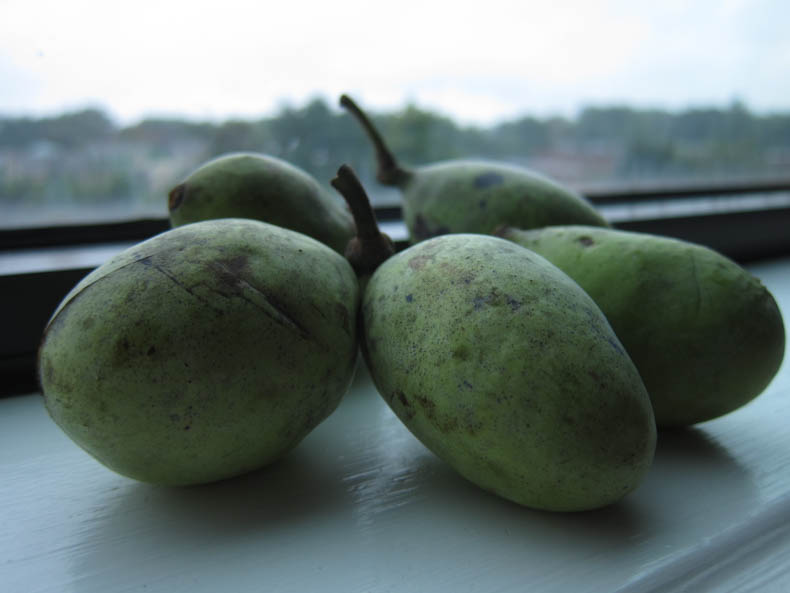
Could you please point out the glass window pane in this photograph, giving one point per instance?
(103, 109)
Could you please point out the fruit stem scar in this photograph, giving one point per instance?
(176, 196)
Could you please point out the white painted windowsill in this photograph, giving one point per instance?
(361, 506)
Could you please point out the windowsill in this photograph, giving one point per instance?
(361, 505)
(57, 259)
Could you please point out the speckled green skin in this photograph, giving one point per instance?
(706, 335)
(202, 353)
(503, 367)
(261, 187)
(478, 196)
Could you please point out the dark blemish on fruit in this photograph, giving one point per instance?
(176, 196)
(514, 304)
(408, 410)
(461, 353)
(342, 312)
(229, 270)
(466, 385)
(482, 204)
(151, 351)
(490, 299)
(418, 261)
(187, 427)
(427, 405)
(586, 241)
(489, 179)
(473, 428)
(120, 351)
(448, 425)
(512, 248)
(444, 425)
(48, 371)
(403, 400)
(409, 298)
(422, 230)
(497, 470)
(597, 378)
(236, 264)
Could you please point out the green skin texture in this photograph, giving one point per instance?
(479, 196)
(503, 367)
(261, 187)
(202, 353)
(706, 335)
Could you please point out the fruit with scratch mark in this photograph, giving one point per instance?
(473, 196)
(506, 369)
(202, 353)
(705, 334)
(261, 187)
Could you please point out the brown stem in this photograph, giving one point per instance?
(389, 171)
(370, 247)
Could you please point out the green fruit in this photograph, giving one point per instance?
(205, 352)
(469, 196)
(502, 366)
(261, 187)
(706, 335)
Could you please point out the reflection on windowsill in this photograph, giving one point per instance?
(696, 206)
(49, 259)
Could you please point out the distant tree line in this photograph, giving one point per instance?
(85, 157)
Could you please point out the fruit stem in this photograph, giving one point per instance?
(370, 247)
(389, 171)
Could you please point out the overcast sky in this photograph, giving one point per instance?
(476, 61)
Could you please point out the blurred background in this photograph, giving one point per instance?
(105, 107)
